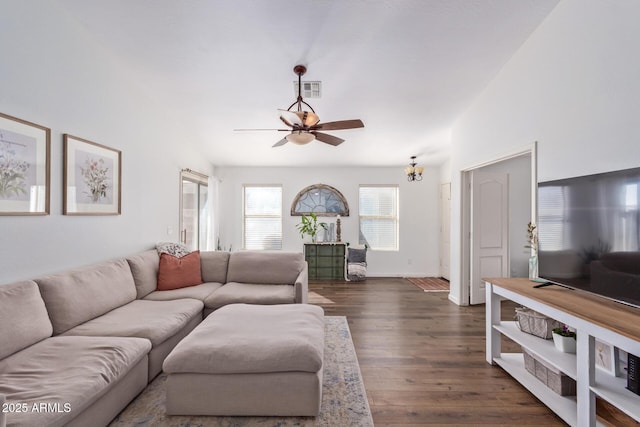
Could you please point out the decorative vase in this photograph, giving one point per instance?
(564, 344)
(533, 267)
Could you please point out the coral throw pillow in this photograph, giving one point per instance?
(174, 273)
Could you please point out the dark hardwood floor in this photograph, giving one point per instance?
(422, 357)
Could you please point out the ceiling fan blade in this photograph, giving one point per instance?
(291, 117)
(281, 142)
(341, 124)
(328, 139)
(279, 130)
(286, 122)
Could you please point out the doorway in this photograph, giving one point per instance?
(194, 210)
(445, 230)
(494, 240)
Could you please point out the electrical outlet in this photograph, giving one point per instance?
(169, 230)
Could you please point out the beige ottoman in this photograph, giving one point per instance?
(252, 360)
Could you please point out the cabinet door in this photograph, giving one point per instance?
(313, 273)
(325, 250)
(324, 261)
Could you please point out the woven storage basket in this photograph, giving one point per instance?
(534, 323)
(552, 378)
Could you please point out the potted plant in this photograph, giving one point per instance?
(310, 225)
(532, 244)
(564, 339)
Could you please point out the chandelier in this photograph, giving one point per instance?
(413, 173)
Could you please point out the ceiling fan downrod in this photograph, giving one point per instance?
(300, 70)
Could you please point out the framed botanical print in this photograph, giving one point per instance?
(605, 356)
(92, 178)
(24, 167)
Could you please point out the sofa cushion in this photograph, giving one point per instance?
(199, 292)
(214, 266)
(144, 268)
(179, 272)
(154, 320)
(242, 338)
(70, 372)
(249, 293)
(275, 268)
(23, 317)
(76, 296)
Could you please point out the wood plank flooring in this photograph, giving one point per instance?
(423, 357)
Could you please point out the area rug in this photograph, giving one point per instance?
(344, 400)
(430, 284)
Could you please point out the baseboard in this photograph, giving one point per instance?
(402, 275)
(454, 299)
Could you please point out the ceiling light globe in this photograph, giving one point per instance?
(308, 118)
(300, 138)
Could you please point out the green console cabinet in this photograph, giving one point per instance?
(325, 260)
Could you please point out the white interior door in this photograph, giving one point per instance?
(489, 230)
(445, 230)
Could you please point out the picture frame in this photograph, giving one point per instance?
(605, 357)
(25, 172)
(92, 178)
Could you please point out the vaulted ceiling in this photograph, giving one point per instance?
(407, 68)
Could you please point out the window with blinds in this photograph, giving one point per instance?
(378, 215)
(262, 212)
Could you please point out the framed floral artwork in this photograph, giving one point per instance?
(91, 178)
(605, 357)
(24, 167)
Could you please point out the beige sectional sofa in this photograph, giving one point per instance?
(78, 346)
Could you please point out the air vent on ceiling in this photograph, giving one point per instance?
(309, 89)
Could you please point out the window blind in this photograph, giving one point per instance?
(378, 216)
(262, 222)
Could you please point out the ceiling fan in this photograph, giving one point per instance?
(304, 126)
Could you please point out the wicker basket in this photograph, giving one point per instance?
(552, 378)
(535, 323)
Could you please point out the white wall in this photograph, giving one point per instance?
(419, 211)
(573, 87)
(53, 74)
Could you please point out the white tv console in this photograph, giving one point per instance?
(593, 317)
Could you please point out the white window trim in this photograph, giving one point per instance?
(244, 215)
(396, 218)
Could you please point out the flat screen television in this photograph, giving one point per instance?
(589, 234)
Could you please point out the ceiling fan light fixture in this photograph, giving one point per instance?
(304, 124)
(300, 138)
(308, 118)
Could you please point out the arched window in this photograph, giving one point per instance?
(321, 199)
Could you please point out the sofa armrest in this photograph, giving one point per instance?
(3, 415)
(302, 286)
